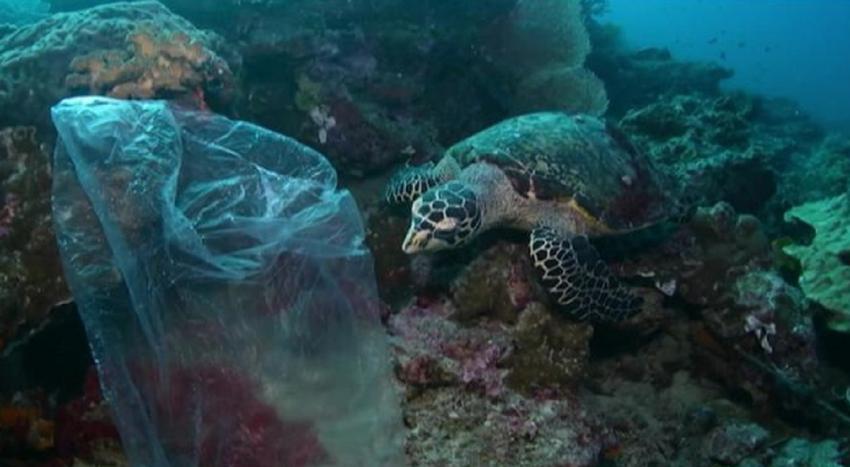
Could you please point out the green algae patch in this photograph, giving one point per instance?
(825, 275)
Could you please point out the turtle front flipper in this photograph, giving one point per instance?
(412, 181)
(576, 278)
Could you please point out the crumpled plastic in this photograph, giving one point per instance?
(228, 298)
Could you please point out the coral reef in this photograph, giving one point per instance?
(654, 396)
(449, 427)
(634, 79)
(22, 11)
(722, 367)
(825, 268)
(132, 50)
(822, 173)
(777, 317)
(31, 280)
(399, 80)
(760, 155)
(81, 428)
(492, 308)
(731, 443)
(368, 73)
(705, 257)
(721, 266)
(712, 143)
(466, 396)
(137, 50)
(799, 451)
(692, 126)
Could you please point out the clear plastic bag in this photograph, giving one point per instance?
(226, 291)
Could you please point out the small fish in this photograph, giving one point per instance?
(767, 49)
(742, 44)
(713, 40)
(723, 55)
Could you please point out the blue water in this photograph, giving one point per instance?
(791, 48)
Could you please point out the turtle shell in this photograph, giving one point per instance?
(575, 159)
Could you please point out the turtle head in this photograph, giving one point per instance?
(445, 217)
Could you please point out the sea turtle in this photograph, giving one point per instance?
(561, 177)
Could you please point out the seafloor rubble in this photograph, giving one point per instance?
(736, 359)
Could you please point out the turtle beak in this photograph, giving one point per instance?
(415, 241)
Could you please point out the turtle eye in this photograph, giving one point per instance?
(447, 224)
(443, 223)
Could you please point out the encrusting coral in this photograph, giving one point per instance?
(130, 50)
